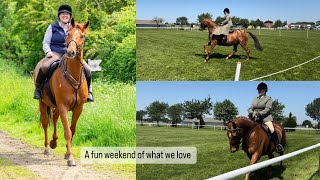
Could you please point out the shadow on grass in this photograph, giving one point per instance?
(265, 173)
(223, 56)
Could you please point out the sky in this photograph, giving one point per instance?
(285, 10)
(295, 95)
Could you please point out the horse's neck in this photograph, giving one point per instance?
(246, 125)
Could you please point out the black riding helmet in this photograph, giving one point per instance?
(65, 8)
(262, 86)
(226, 10)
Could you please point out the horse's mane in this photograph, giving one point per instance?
(210, 21)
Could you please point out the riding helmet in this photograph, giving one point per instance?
(226, 10)
(65, 8)
(262, 86)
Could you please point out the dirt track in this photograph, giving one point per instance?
(46, 167)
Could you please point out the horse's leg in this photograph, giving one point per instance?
(45, 122)
(63, 112)
(212, 45)
(270, 167)
(53, 142)
(235, 47)
(255, 157)
(245, 47)
(75, 116)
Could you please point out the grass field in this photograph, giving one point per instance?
(109, 121)
(178, 55)
(214, 158)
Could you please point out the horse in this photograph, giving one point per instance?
(233, 39)
(69, 88)
(255, 140)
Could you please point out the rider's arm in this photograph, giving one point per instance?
(47, 40)
(250, 110)
(226, 20)
(267, 109)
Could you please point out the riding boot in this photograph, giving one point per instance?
(279, 147)
(90, 95)
(39, 82)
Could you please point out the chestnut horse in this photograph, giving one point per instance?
(255, 140)
(233, 39)
(69, 88)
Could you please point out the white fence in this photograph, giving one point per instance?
(263, 164)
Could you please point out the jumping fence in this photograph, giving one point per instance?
(254, 167)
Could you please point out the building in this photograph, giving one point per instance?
(268, 24)
(148, 24)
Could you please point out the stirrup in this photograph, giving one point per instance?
(279, 148)
(37, 94)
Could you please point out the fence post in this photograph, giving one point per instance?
(307, 34)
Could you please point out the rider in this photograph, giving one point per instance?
(223, 31)
(260, 111)
(53, 45)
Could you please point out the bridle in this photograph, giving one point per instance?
(238, 140)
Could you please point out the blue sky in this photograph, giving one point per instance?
(295, 95)
(290, 10)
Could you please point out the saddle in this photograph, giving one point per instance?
(53, 66)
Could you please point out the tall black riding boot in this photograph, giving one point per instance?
(279, 147)
(39, 82)
(90, 95)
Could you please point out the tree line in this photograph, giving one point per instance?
(111, 37)
(225, 111)
(236, 21)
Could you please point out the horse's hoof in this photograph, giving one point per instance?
(205, 61)
(72, 163)
(53, 145)
(227, 57)
(47, 152)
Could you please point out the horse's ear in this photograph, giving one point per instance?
(87, 24)
(234, 126)
(72, 22)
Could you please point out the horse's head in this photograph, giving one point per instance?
(76, 38)
(234, 136)
(206, 23)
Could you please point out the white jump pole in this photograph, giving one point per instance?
(236, 78)
(279, 32)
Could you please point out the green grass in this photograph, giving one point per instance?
(9, 170)
(214, 158)
(178, 55)
(109, 121)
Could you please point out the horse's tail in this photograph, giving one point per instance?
(256, 41)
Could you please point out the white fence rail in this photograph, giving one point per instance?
(263, 164)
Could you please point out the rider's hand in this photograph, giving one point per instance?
(49, 54)
(258, 114)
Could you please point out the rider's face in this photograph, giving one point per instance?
(64, 17)
(262, 92)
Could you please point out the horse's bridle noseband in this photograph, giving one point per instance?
(79, 47)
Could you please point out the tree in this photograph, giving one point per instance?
(290, 121)
(313, 110)
(225, 110)
(236, 20)
(182, 21)
(278, 23)
(253, 23)
(197, 109)
(317, 23)
(277, 111)
(260, 23)
(203, 16)
(158, 20)
(157, 111)
(306, 123)
(244, 23)
(219, 19)
(284, 23)
(176, 112)
(140, 115)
